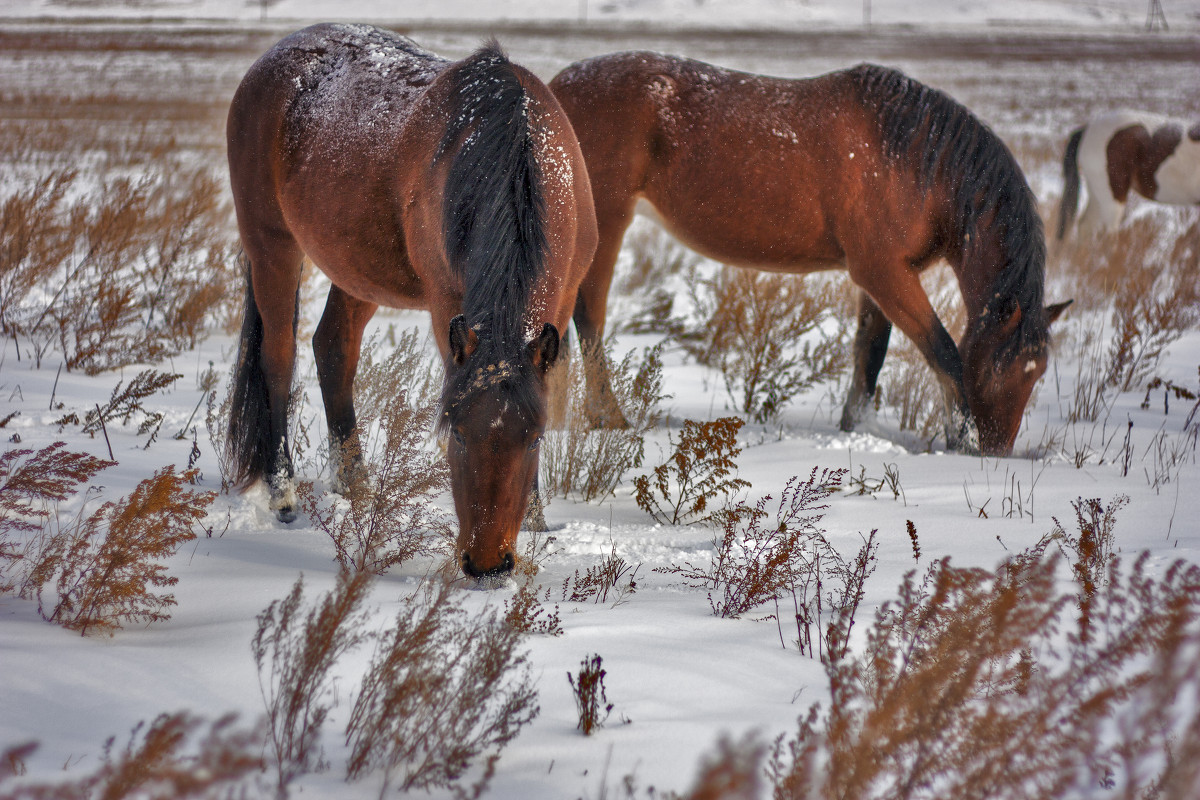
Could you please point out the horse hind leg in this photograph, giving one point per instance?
(337, 345)
(870, 348)
(275, 285)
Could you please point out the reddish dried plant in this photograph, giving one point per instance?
(701, 469)
(108, 562)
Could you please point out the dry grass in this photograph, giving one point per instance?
(967, 688)
(445, 692)
(140, 269)
(577, 459)
(759, 558)
(104, 566)
(165, 759)
(771, 336)
(295, 659)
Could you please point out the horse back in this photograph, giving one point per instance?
(753, 170)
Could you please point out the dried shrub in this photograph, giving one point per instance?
(966, 689)
(590, 461)
(31, 483)
(527, 613)
(124, 403)
(1091, 551)
(591, 699)
(613, 575)
(387, 514)
(733, 772)
(165, 759)
(107, 562)
(761, 558)
(445, 692)
(758, 329)
(130, 272)
(294, 661)
(700, 469)
(407, 370)
(655, 258)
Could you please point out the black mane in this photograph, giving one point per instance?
(493, 217)
(948, 145)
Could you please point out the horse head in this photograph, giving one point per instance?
(495, 415)
(998, 379)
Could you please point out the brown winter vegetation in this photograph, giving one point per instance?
(701, 468)
(761, 558)
(445, 692)
(972, 685)
(140, 269)
(31, 483)
(295, 657)
(166, 759)
(590, 462)
(387, 515)
(752, 326)
(105, 566)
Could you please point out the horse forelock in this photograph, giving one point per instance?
(994, 208)
(493, 216)
(513, 380)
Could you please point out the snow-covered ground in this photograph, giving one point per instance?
(680, 676)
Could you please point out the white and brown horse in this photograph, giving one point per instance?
(1127, 151)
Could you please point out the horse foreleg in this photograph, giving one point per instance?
(337, 345)
(870, 348)
(899, 294)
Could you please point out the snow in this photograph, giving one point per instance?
(678, 675)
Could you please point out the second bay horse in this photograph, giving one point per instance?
(863, 169)
(410, 181)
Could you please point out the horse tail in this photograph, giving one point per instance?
(1070, 198)
(248, 446)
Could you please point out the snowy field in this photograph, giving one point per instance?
(677, 674)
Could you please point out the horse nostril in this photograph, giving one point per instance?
(506, 565)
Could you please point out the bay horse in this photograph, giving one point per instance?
(863, 169)
(414, 182)
(1125, 151)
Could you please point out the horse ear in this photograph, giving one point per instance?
(1055, 311)
(543, 350)
(463, 340)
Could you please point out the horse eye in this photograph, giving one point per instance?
(458, 437)
(536, 444)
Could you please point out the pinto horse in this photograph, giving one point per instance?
(410, 181)
(1122, 151)
(864, 170)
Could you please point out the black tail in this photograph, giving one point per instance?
(1070, 198)
(248, 446)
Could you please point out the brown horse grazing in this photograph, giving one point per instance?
(411, 181)
(865, 170)
(1126, 151)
